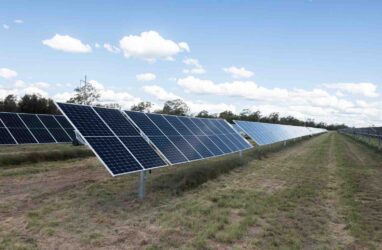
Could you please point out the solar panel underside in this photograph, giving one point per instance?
(115, 140)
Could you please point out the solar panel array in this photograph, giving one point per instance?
(266, 133)
(133, 141)
(365, 131)
(20, 128)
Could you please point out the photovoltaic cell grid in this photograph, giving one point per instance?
(266, 133)
(113, 138)
(131, 141)
(20, 128)
(185, 139)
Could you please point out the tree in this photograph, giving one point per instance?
(205, 114)
(176, 107)
(142, 107)
(9, 104)
(37, 104)
(86, 94)
(228, 115)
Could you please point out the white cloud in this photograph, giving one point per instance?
(111, 48)
(97, 45)
(195, 106)
(6, 27)
(145, 77)
(35, 90)
(150, 46)
(67, 43)
(107, 96)
(363, 88)
(238, 72)
(159, 93)
(18, 21)
(197, 68)
(7, 73)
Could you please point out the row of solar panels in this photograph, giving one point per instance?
(19, 128)
(266, 133)
(127, 141)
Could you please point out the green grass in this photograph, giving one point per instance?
(41, 153)
(313, 194)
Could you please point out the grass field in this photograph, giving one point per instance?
(323, 192)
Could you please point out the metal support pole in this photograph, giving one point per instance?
(141, 188)
(285, 143)
(241, 154)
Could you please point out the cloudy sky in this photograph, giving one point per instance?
(317, 59)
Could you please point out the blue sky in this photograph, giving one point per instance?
(311, 59)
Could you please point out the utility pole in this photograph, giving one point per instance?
(85, 88)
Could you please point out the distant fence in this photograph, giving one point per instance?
(371, 135)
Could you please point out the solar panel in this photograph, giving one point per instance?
(54, 128)
(37, 128)
(265, 133)
(175, 137)
(17, 128)
(5, 137)
(113, 138)
(168, 148)
(66, 126)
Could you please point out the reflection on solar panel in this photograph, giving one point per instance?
(266, 133)
(20, 128)
(114, 139)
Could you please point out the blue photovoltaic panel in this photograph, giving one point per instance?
(17, 128)
(188, 122)
(63, 122)
(114, 155)
(143, 152)
(122, 136)
(5, 137)
(168, 149)
(22, 135)
(185, 147)
(55, 128)
(265, 133)
(219, 142)
(144, 123)
(37, 128)
(66, 125)
(175, 137)
(85, 119)
(158, 138)
(215, 150)
(178, 125)
(203, 126)
(42, 135)
(163, 124)
(197, 144)
(117, 122)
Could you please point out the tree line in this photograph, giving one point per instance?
(89, 95)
